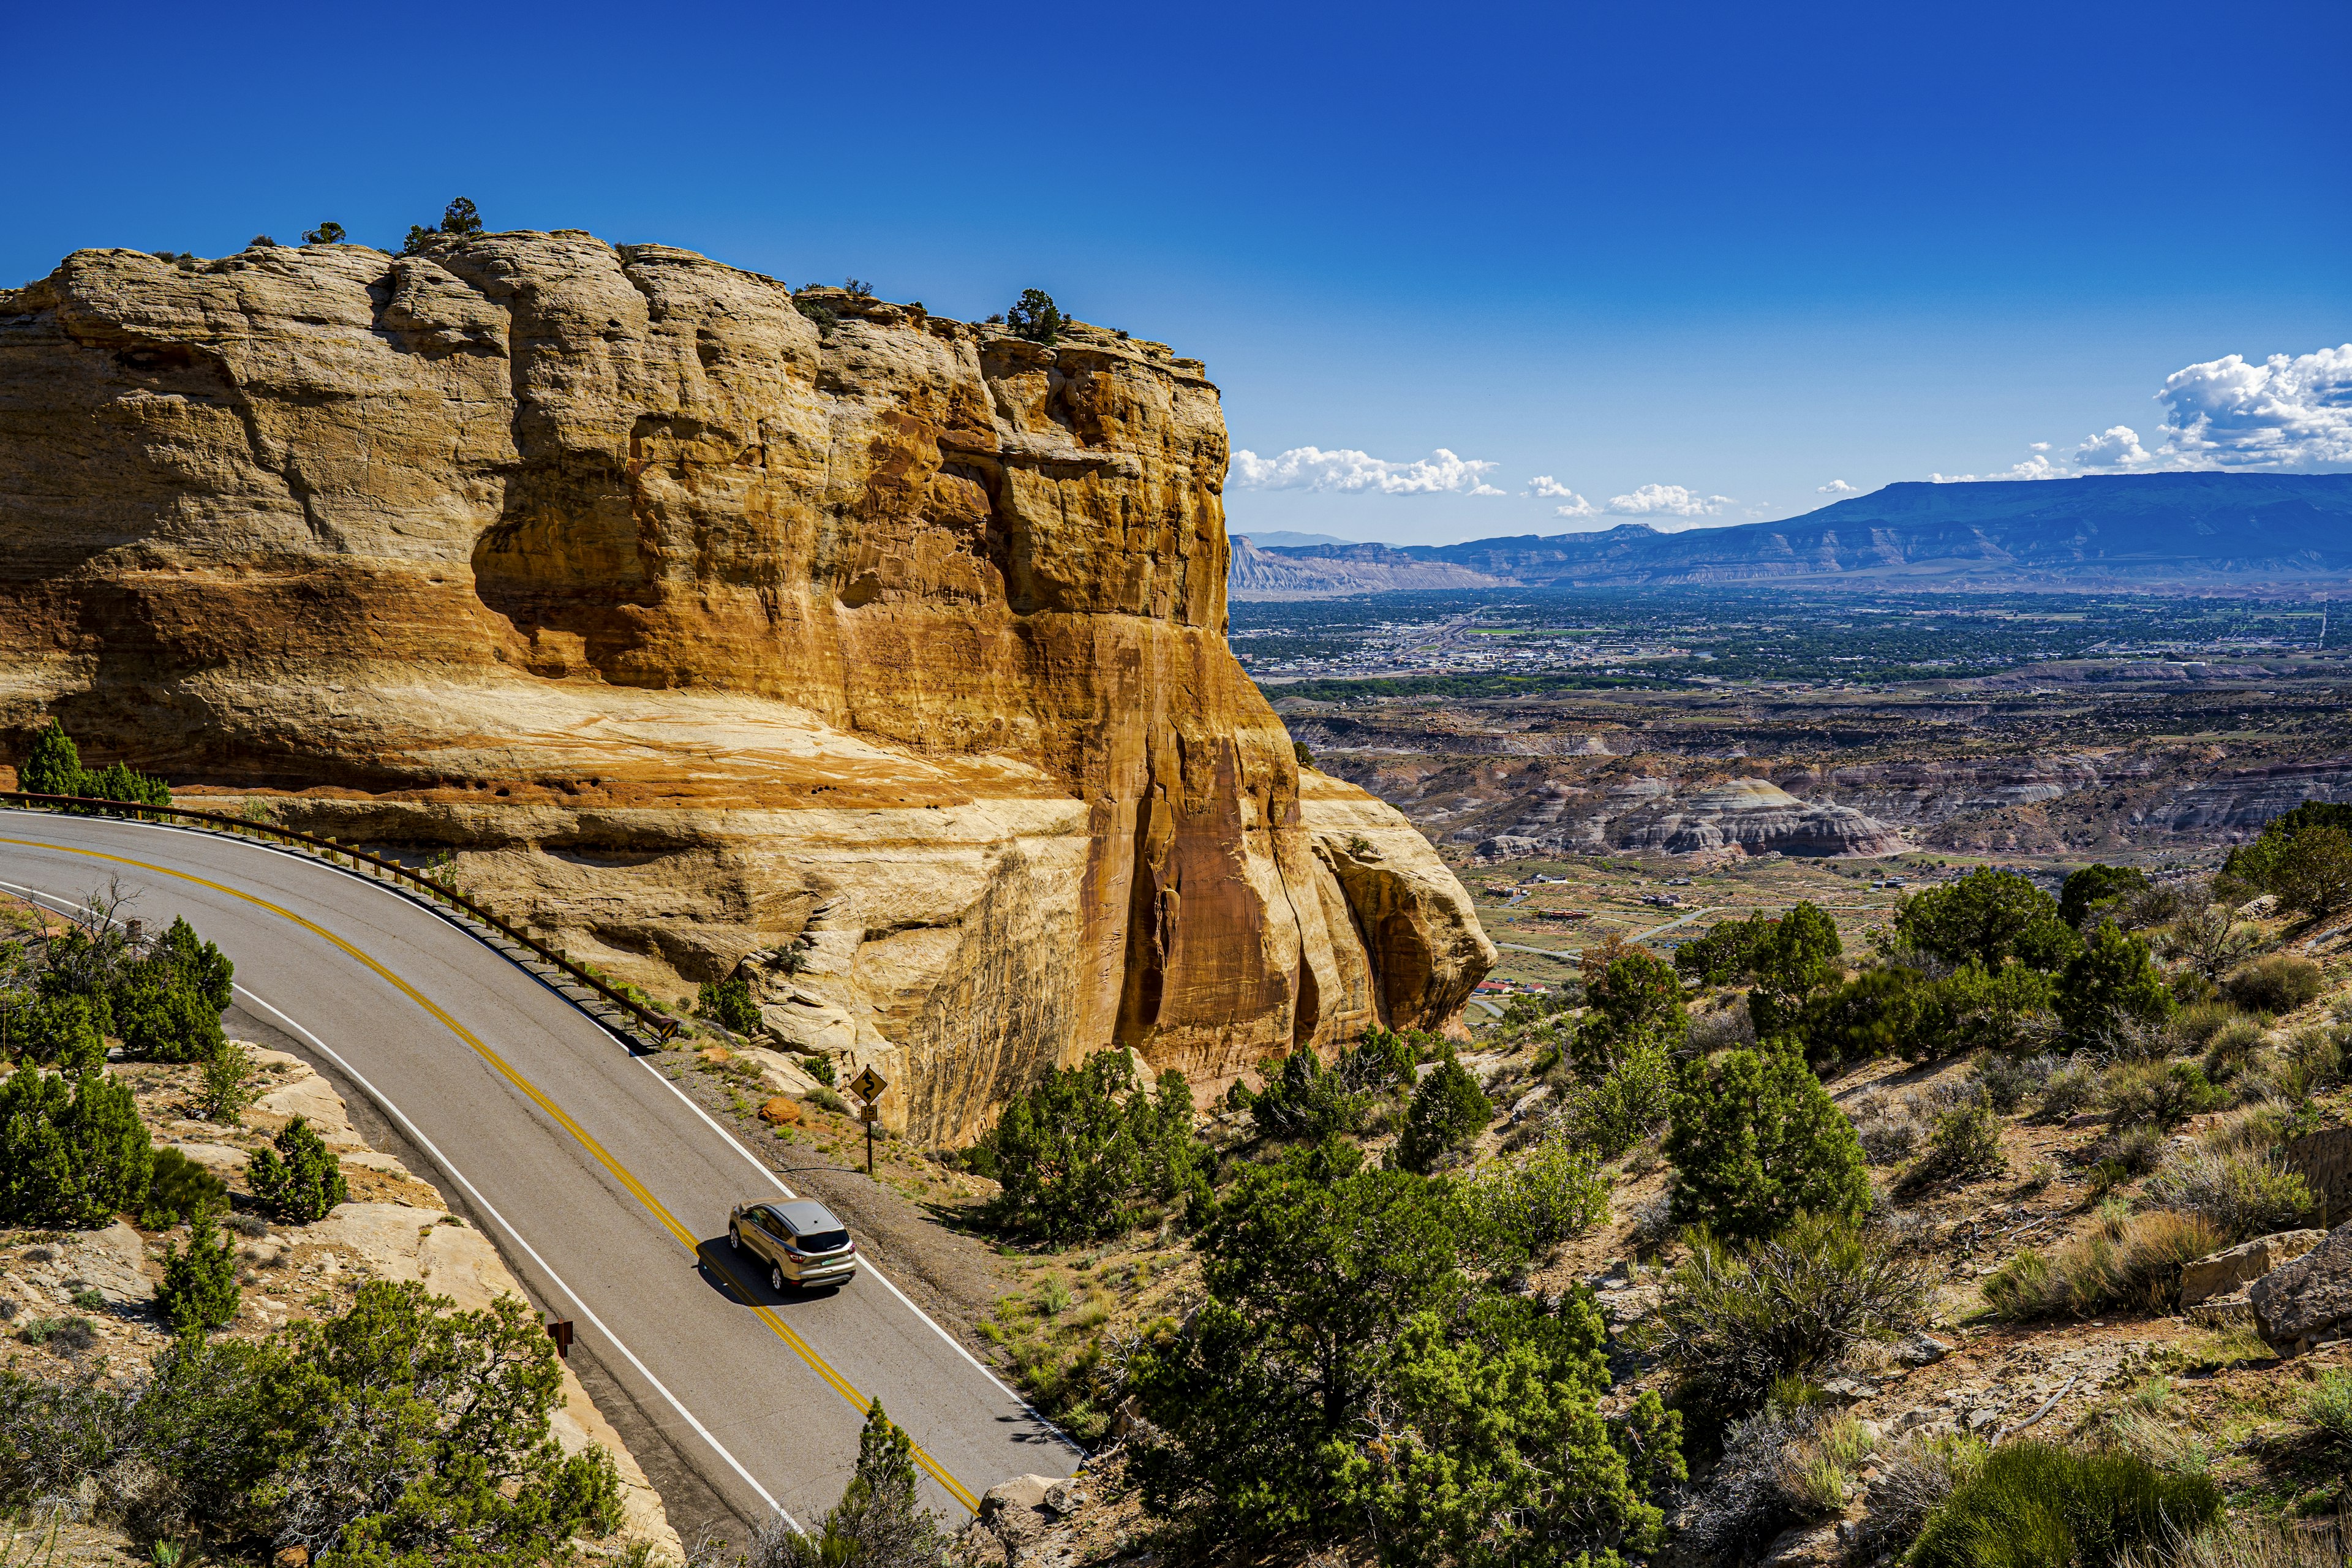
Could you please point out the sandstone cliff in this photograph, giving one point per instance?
(704, 621)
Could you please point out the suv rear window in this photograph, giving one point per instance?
(823, 1241)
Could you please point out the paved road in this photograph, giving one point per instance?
(605, 1188)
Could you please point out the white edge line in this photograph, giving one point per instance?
(774, 1180)
(957, 1345)
(584, 1309)
(460, 1177)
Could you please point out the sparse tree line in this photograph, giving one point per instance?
(1362, 1369)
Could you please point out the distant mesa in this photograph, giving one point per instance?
(1751, 816)
(1331, 571)
(2190, 530)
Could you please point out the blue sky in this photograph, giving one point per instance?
(1733, 253)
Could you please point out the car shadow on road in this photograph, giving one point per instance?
(743, 1279)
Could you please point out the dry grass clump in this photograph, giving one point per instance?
(1913, 1478)
(2068, 1089)
(1816, 1472)
(2243, 1193)
(1888, 1131)
(2278, 983)
(2126, 1261)
(2249, 1541)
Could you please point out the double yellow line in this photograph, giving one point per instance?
(621, 1173)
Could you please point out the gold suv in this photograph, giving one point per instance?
(800, 1242)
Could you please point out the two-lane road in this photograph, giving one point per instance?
(607, 1190)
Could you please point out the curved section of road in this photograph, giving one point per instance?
(609, 1189)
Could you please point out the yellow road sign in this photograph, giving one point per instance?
(868, 1084)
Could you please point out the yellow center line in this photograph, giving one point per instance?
(621, 1173)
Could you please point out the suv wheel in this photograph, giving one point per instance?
(735, 1239)
(776, 1276)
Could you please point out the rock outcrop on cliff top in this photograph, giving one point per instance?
(703, 620)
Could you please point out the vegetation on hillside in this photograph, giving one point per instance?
(1373, 1337)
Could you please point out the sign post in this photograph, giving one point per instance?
(869, 1085)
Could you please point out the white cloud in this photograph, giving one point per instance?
(2282, 414)
(1837, 487)
(1550, 488)
(1489, 491)
(2286, 413)
(1313, 468)
(1666, 500)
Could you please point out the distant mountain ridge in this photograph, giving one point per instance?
(2141, 530)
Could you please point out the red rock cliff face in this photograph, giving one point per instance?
(707, 624)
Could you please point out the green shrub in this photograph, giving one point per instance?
(2033, 1505)
(1988, 918)
(2314, 875)
(1303, 1098)
(54, 767)
(729, 1002)
(1033, 317)
(328, 233)
(54, 764)
(2198, 1024)
(2243, 1193)
(1085, 1153)
(2003, 1081)
(2159, 1094)
(1875, 1014)
(2068, 1089)
(299, 1177)
(179, 1190)
(2276, 984)
(228, 1083)
(1755, 1141)
(73, 1151)
(1734, 1322)
(1796, 958)
(2109, 984)
(1529, 1204)
(879, 1522)
(1973, 1005)
(2230, 1047)
(1627, 1106)
(1632, 1003)
(2130, 1262)
(2098, 891)
(1448, 1111)
(60, 1031)
(163, 1020)
(1966, 1143)
(2328, 1408)
(199, 1290)
(1722, 954)
(1335, 1299)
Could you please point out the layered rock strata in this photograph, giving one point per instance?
(702, 619)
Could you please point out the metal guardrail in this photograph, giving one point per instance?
(661, 1028)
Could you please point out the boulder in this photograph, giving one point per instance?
(1018, 1512)
(2307, 1300)
(2243, 1264)
(111, 1261)
(783, 1111)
